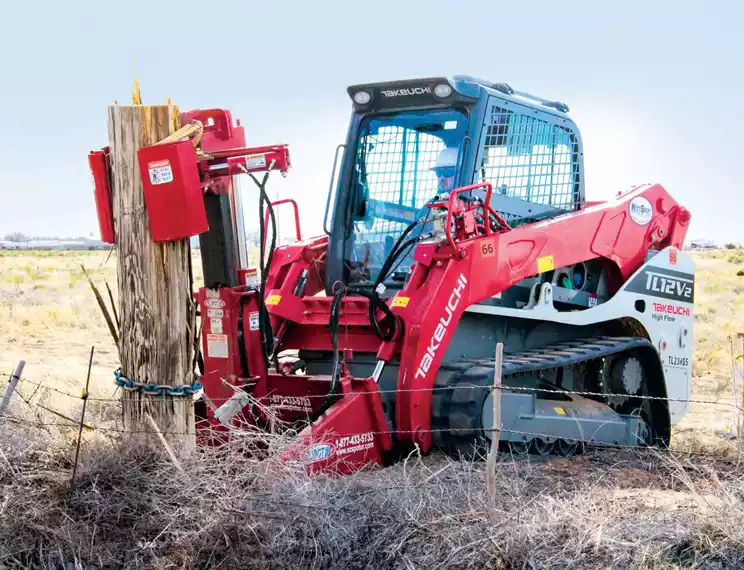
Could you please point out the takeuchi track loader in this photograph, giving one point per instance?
(456, 220)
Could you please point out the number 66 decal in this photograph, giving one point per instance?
(487, 249)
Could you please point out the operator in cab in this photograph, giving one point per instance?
(444, 168)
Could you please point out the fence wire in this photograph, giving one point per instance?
(734, 406)
(222, 431)
(206, 432)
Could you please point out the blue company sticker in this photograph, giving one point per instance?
(320, 452)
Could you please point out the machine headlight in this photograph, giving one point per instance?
(362, 97)
(443, 91)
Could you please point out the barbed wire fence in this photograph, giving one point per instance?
(729, 441)
(190, 512)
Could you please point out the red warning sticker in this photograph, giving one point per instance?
(160, 172)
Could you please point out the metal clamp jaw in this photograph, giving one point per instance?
(461, 217)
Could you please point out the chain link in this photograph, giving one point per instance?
(154, 389)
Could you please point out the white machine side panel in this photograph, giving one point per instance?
(666, 286)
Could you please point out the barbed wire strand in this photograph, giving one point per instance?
(229, 429)
(505, 388)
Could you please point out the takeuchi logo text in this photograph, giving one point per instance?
(444, 321)
(407, 91)
(668, 309)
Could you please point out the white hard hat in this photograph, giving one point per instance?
(446, 158)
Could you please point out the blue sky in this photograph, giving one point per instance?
(655, 87)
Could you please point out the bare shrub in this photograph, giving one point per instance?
(238, 506)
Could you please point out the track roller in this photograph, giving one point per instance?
(567, 448)
(542, 446)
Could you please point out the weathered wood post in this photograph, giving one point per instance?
(496, 433)
(155, 288)
(738, 415)
(10, 390)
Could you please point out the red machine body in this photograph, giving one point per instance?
(472, 264)
(219, 132)
(473, 256)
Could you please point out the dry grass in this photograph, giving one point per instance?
(133, 510)
(719, 317)
(48, 317)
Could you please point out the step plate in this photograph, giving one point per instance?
(524, 417)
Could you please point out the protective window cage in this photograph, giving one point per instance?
(398, 164)
(533, 160)
(395, 157)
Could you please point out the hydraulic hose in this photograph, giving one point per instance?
(375, 302)
(267, 334)
(394, 251)
(340, 290)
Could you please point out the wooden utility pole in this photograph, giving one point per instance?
(156, 307)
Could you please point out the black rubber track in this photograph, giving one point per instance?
(463, 386)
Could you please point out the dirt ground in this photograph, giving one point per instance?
(50, 319)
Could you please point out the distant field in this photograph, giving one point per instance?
(49, 317)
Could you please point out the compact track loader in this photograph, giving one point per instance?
(456, 220)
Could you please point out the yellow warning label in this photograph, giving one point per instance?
(273, 299)
(401, 301)
(545, 264)
(560, 411)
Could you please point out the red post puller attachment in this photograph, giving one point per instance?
(176, 176)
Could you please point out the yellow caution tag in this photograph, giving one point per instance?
(273, 299)
(560, 411)
(401, 301)
(545, 264)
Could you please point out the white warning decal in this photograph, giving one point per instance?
(251, 277)
(160, 172)
(255, 161)
(217, 346)
(215, 313)
(253, 321)
(215, 325)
